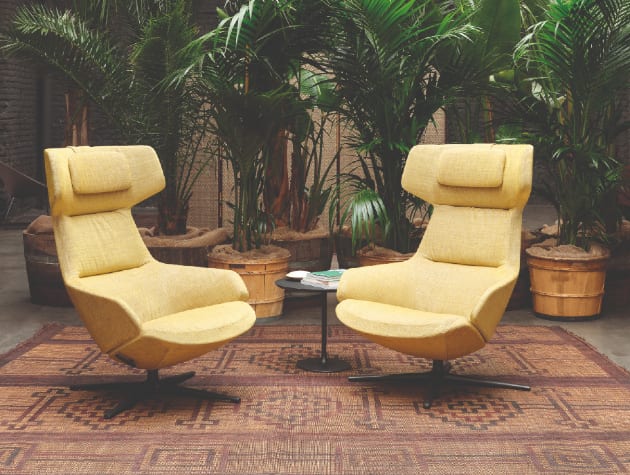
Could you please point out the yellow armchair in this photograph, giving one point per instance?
(446, 301)
(139, 311)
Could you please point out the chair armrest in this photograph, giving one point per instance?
(109, 321)
(490, 308)
(379, 283)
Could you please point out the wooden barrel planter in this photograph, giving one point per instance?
(567, 288)
(259, 274)
(45, 282)
(521, 296)
(369, 256)
(310, 251)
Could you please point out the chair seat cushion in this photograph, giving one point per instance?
(182, 336)
(415, 332)
(203, 325)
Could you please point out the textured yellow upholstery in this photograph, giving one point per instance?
(446, 301)
(139, 311)
(99, 172)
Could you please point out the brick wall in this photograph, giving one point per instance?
(18, 106)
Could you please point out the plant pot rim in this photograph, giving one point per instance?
(380, 251)
(267, 253)
(194, 237)
(567, 253)
(285, 234)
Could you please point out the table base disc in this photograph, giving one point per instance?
(332, 365)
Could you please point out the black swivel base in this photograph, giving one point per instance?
(153, 385)
(438, 377)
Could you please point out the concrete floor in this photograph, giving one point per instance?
(20, 319)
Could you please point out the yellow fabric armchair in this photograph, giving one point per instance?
(446, 301)
(139, 311)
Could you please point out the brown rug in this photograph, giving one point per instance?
(576, 419)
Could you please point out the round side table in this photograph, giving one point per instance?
(323, 364)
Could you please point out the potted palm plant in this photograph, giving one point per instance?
(282, 40)
(395, 64)
(120, 54)
(309, 185)
(244, 115)
(577, 60)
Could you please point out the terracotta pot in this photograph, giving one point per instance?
(567, 288)
(259, 274)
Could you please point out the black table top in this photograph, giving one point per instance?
(297, 285)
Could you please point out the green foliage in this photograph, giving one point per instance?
(383, 58)
(249, 71)
(497, 26)
(121, 54)
(577, 61)
(308, 203)
(242, 113)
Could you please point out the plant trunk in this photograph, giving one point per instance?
(172, 216)
(76, 128)
(298, 198)
(276, 192)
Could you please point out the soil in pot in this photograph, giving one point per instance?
(374, 255)
(190, 249)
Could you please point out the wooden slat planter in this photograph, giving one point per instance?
(259, 276)
(45, 282)
(311, 253)
(367, 257)
(567, 289)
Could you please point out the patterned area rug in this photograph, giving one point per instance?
(576, 419)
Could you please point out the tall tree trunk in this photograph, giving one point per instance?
(276, 192)
(76, 128)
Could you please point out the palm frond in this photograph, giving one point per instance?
(65, 42)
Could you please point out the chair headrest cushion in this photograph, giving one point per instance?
(474, 175)
(94, 171)
(471, 168)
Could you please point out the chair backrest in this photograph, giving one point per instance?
(478, 193)
(91, 191)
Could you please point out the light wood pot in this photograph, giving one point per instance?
(260, 275)
(567, 288)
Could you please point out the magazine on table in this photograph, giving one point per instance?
(325, 279)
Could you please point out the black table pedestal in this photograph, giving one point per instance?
(323, 364)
